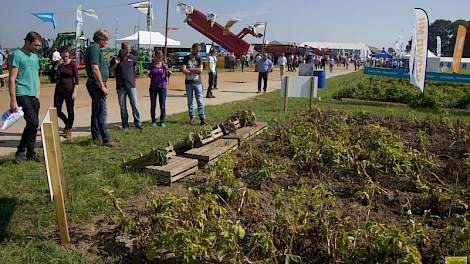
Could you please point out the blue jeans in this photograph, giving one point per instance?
(161, 94)
(99, 130)
(123, 93)
(199, 93)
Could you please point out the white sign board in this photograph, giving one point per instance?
(299, 86)
(47, 119)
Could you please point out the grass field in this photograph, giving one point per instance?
(27, 216)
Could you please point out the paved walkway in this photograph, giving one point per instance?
(233, 86)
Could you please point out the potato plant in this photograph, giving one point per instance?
(437, 95)
(325, 187)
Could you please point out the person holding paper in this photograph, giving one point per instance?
(24, 92)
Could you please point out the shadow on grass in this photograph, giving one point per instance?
(7, 208)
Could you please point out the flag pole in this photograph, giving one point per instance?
(166, 29)
(264, 35)
(149, 24)
(138, 35)
(115, 35)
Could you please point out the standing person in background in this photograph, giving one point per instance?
(159, 75)
(192, 69)
(242, 62)
(55, 57)
(233, 62)
(24, 91)
(265, 66)
(67, 81)
(282, 61)
(98, 72)
(123, 67)
(289, 63)
(295, 63)
(257, 58)
(332, 64)
(212, 73)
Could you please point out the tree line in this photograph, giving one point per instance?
(447, 30)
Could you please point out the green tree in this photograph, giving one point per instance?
(447, 30)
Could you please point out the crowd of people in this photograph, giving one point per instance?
(24, 84)
(24, 88)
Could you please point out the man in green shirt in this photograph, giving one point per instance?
(24, 92)
(97, 71)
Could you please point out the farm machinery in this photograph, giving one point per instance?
(214, 31)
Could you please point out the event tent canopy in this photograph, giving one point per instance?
(149, 39)
(382, 55)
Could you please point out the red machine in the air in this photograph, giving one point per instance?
(231, 42)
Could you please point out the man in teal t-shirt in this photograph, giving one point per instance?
(94, 55)
(24, 93)
(97, 71)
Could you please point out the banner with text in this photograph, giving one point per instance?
(458, 49)
(418, 72)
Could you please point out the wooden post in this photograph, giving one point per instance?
(311, 92)
(54, 173)
(286, 93)
(55, 130)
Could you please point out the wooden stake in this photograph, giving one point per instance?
(286, 92)
(54, 173)
(312, 86)
(55, 130)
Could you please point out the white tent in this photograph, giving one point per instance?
(148, 39)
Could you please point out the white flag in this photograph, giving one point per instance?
(91, 13)
(229, 25)
(145, 7)
(439, 46)
(184, 8)
(419, 49)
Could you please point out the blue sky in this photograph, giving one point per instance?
(376, 22)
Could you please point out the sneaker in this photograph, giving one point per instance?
(98, 142)
(140, 127)
(191, 120)
(20, 157)
(203, 122)
(153, 125)
(112, 144)
(258, 92)
(35, 157)
(212, 96)
(162, 125)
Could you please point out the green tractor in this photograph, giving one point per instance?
(63, 39)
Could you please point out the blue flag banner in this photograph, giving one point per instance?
(46, 17)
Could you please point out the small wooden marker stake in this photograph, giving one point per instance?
(286, 94)
(55, 130)
(55, 170)
(56, 182)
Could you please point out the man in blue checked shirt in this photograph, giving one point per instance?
(265, 66)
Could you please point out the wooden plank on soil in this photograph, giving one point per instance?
(184, 174)
(213, 150)
(175, 166)
(248, 132)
